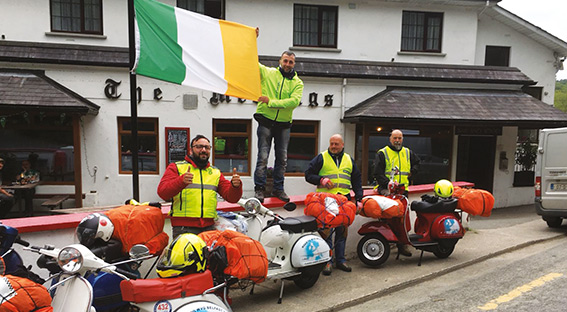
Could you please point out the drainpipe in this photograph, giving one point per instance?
(343, 99)
(486, 6)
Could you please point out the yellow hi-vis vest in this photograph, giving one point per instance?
(340, 176)
(198, 199)
(400, 159)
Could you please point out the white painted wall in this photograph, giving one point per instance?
(522, 54)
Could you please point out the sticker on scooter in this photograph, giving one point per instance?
(201, 306)
(310, 247)
(451, 226)
(163, 306)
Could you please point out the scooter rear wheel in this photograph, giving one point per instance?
(444, 249)
(309, 276)
(373, 249)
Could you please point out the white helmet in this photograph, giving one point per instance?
(94, 226)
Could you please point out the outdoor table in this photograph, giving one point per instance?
(24, 190)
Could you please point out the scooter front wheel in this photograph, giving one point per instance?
(373, 249)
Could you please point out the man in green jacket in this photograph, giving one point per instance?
(281, 94)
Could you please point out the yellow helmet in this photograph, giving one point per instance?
(443, 188)
(186, 254)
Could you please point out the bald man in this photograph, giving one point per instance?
(334, 171)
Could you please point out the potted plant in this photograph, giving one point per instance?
(525, 158)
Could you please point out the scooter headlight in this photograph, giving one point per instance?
(252, 206)
(70, 259)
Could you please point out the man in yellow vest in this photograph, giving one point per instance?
(193, 184)
(334, 171)
(395, 155)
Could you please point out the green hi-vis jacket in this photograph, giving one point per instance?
(285, 94)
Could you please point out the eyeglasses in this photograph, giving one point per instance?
(207, 147)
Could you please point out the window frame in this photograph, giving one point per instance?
(82, 18)
(315, 136)
(321, 9)
(248, 134)
(495, 53)
(121, 132)
(424, 35)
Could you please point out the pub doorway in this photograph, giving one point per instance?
(475, 160)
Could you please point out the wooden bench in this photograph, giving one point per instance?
(55, 201)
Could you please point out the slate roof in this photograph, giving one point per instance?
(35, 91)
(456, 107)
(73, 54)
(405, 71)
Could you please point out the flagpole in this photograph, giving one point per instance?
(133, 102)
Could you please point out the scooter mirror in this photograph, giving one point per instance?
(138, 251)
(290, 206)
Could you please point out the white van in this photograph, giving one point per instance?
(551, 176)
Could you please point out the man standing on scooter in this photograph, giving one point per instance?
(334, 171)
(193, 184)
(389, 157)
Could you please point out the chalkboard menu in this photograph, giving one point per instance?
(177, 144)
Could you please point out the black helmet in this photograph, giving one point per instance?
(94, 226)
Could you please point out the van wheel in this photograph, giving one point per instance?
(553, 222)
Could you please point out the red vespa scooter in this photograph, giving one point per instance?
(437, 228)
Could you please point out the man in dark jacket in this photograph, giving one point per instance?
(334, 171)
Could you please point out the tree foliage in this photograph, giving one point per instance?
(561, 95)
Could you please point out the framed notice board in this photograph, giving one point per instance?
(177, 144)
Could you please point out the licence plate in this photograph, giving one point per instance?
(558, 186)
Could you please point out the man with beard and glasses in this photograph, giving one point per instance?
(193, 184)
(395, 155)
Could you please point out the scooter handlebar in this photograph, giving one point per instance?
(128, 274)
(22, 242)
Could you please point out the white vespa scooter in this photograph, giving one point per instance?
(294, 248)
(73, 293)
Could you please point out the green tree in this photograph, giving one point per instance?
(561, 95)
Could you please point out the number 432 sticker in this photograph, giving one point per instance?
(162, 306)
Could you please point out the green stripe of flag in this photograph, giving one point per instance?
(159, 54)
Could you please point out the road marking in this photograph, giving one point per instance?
(493, 304)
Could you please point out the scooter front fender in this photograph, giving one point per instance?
(378, 227)
(75, 295)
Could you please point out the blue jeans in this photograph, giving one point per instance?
(281, 140)
(340, 242)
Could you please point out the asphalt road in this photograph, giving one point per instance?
(526, 280)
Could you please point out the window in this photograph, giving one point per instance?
(497, 56)
(76, 16)
(433, 145)
(421, 31)
(212, 8)
(46, 139)
(231, 145)
(525, 157)
(147, 145)
(315, 25)
(302, 146)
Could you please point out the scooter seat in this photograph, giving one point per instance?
(440, 206)
(299, 224)
(156, 289)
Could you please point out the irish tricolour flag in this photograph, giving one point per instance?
(195, 50)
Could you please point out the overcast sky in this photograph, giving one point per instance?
(551, 15)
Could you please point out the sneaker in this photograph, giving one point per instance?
(259, 194)
(281, 195)
(328, 269)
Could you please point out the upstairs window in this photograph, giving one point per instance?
(315, 25)
(76, 16)
(421, 31)
(212, 8)
(497, 56)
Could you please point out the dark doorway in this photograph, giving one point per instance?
(475, 160)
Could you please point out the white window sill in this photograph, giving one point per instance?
(422, 53)
(315, 49)
(74, 35)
